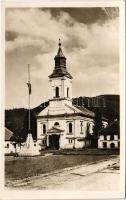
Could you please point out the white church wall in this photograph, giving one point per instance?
(64, 125)
(62, 84)
(40, 123)
(79, 144)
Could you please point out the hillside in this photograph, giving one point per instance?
(17, 119)
(107, 104)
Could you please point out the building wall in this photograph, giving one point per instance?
(67, 140)
(9, 147)
(108, 141)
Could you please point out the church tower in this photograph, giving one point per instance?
(60, 81)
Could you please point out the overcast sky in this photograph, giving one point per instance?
(89, 39)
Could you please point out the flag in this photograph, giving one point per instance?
(29, 87)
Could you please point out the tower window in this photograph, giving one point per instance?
(44, 128)
(57, 92)
(56, 124)
(67, 92)
(70, 127)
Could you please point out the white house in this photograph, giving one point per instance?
(109, 136)
(9, 147)
(61, 125)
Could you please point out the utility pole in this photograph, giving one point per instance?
(29, 93)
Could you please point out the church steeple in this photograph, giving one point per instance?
(60, 60)
(60, 65)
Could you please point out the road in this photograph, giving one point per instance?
(100, 176)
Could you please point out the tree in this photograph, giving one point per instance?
(16, 140)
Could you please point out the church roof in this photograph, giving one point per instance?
(54, 130)
(69, 110)
(8, 134)
(85, 111)
(112, 129)
(60, 69)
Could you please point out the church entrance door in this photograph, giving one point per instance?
(54, 141)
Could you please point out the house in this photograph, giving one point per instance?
(9, 146)
(109, 137)
(62, 125)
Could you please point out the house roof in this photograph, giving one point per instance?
(112, 129)
(54, 130)
(8, 134)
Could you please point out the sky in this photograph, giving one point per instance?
(90, 42)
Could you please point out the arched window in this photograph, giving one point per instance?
(112, 145)
(44, 128)
(70, 127)
(81, 125)
(56, 124)
(57, 92)
(67, 92)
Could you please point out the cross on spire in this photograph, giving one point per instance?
(59, 42)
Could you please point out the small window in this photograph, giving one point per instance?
(70, 127)
(7, 145)
(105, 137)
(104, 144)
(44, 128)
(56, 124)
(112, 145)
(112, 137)
(70, 141)
(35, 145)
(57, 92)
(67, 92)
(81, 125)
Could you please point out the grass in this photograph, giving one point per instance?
(19, 168)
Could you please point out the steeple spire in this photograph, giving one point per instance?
(60, 64)
(60, 52)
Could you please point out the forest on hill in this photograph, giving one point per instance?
(17, 119)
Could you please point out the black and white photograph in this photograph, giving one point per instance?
(62, 116)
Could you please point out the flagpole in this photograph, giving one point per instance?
(29, 97)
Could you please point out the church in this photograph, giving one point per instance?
(62, 125)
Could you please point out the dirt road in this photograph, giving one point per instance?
(103, 175)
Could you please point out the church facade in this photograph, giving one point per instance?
(61, 125)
